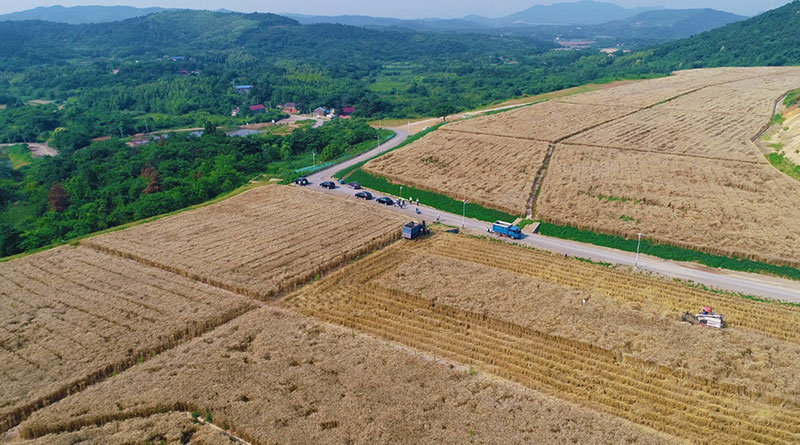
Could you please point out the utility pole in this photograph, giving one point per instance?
(464, 215)
(638, 245)
(314, 157)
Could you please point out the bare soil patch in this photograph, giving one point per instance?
(275, 377)
(73, 316)
(261, 243)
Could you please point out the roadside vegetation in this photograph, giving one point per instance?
(779, 161)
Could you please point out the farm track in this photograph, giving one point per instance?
(657, 397)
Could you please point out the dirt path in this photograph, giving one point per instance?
(37, 150)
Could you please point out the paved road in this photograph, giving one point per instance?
(751, 284)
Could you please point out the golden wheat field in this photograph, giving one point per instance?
(72, 316)
(723, 207)
(493, 171)
(275, 377)
(261, 243)
(610, 371)
(688, 133)
(547, 121)
(168, 428)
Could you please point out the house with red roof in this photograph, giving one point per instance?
(258, 109)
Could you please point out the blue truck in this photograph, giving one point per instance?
(507, 229)
(413, 230)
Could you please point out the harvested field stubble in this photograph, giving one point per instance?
(727, 99)
(261, 243)
(493, 171)
(548, 121)
(73, 316)
(721, 207)
(276, 377)
(171, 428)
(667, 130)
(470, 325)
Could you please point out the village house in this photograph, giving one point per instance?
(320, 112)
(347, 112)
(289, 107)
(244, 89)
(258, 109)
(235, 112)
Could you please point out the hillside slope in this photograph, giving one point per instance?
(80, 14)
(768, 39)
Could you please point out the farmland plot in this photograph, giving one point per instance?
(722, 207)
(261, 243)
(652, 92)
(384, 297)
(548, 121)
(72, 316)
(275, 377)
(493, 171)
(727, 99)
(169, 428)
(673, 131)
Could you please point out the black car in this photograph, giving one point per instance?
(386, 201)
(328, 185)
(364, 195)
(355, 185)
(301, 181)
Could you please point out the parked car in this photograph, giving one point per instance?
(386, 201)
(342, 181)
(301, 181)
(355, 185)
(328, 185)
(364, 195)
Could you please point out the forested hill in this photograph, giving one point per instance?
(80, 14)
(768, 39)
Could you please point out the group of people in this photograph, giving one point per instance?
(402, 203)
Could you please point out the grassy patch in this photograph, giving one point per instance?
(617, 199)
(778, 119)
(786, 166)
(431, 199)
(792, 98)
(777, 146)
(19, 155)
(667, 251)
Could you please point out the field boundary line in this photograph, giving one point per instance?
(478, 133)
(177, 338)
(640, 150)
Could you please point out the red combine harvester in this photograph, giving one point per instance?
(706, 317)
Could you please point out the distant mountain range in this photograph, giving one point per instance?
(587, 20)
(584, 12)
(77, 15)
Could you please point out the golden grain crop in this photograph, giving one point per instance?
(261, 243)
(73, 316)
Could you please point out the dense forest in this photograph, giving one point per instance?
(179, 69)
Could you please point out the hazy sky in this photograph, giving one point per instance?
(401, 9)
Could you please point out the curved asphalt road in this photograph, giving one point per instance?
(751, 284)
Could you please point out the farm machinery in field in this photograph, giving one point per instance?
(706, 317)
